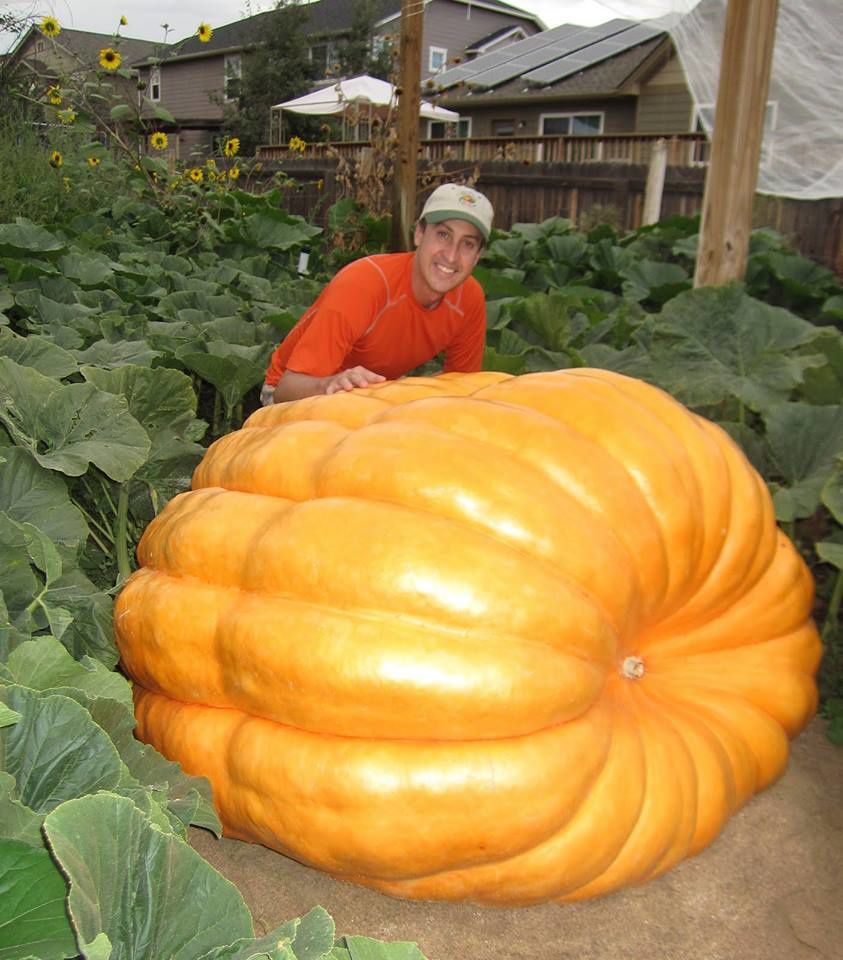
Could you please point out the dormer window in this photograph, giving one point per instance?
(437, 59)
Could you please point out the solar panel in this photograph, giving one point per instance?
(583, 37)
(550, 72)
(566, 37)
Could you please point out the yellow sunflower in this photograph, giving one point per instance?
(231, 146)
(297, 144)
(66, 116)
(54, 96)
(93, 161)
(56, 159)
(49, 26)
(158, 140)
(109, 58)
(234, 173)
(204, 32)
(196, 175)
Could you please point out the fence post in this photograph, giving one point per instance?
(655, 183)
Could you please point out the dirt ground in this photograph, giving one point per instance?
(769, 888)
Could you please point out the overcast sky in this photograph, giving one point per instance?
(146, 17)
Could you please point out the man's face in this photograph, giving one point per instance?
(446, 253)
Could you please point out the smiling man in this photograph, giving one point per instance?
(384, 315)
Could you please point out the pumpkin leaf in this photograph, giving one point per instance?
(17, 821)
(716, 342)
(31, 494)
(24, 236)
(657, 282)
(830, 552)
(130, 881)
(55, 751)
(69, 427)
(364, 948)
(804, 442)
(39, 353)
(825, 384)
(832, 493)
(310, 937)
(232, 376)
(33, 918)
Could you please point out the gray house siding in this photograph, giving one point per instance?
(618, 115)
(665, 104)
(192, 89)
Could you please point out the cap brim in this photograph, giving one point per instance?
(438, 216)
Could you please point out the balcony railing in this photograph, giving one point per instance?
(683, 149)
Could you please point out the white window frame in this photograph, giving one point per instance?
(572, 115)
(700, 155)
(154, 82)
(232, 69)
(431, 53)
(465, 120)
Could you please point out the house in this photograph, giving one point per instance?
(74, 55)
(620, 77)
(197, 81)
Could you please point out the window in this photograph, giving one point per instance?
(571, 124)
(154, 83)
(439, 129)
(323, 56)
(703, 122)
(503, 128)
(233, 73)
(437, 58)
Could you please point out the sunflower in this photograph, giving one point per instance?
(297, 144)
(196, 175)
(158, 140)
(56, 159)
(204, 32)
(66, 116)
(93, 161)
(234, 173)
(54, 96)
(231, 146)
(49, 26)
(109, 58)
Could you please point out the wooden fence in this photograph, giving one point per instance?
(589, 193)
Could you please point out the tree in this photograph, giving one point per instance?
(276, 69)
(362, 50)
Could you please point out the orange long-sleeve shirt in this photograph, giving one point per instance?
(367, 316)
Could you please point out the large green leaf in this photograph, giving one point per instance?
(69, 427)
(103, 353)
(717, 342)
(276, 230)
(17, 821)
(310, 937)
(23, 236)
(825, 384)
(55, 751)
(232, 376)
(363, 948)
(132, 882)
(805, 443)
(88, 269)
(43, 664)
(32, 494)
(657, 282)
(39, 353)
(33, 917)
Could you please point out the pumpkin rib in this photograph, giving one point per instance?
(383, 788)
(377, 697)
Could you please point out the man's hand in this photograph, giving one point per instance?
(294, 385)
(351, 378)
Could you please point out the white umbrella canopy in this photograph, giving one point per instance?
(364, 89)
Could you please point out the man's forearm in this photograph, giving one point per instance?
(294, 386)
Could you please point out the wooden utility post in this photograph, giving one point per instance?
(655, 183)
(409, 97)
(745, 66)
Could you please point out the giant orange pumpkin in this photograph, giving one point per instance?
(475, 637)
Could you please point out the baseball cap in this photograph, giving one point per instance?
(452, 201)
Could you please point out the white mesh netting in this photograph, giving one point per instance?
(802, 153)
